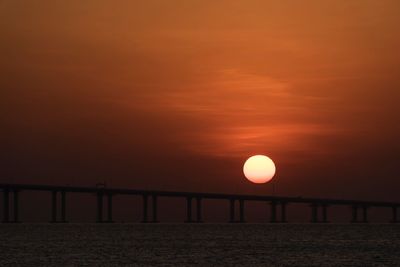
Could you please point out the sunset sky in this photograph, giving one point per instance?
(175, 95)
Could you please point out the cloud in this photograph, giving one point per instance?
(245, 113)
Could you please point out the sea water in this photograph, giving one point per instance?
(199, 245)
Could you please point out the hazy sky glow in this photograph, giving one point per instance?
(177, 94)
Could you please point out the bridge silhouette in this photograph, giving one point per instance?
(319, 206)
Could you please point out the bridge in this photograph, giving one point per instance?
(319, 206)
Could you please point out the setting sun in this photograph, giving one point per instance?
(259, 169)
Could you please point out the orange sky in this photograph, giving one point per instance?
(176, 94)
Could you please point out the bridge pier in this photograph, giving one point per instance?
(365, 214)
(198, 210)
(16, 206)
(273, 212)
(189, 213)
(314, 213)
(6, 205)
(232, 218)
(63, 207)
(315, 218)
(325, 213)
(283, 212)
(99, 207)
(145, 204)
(241, 211)
(355, 218)
(189, 210)
(354, 214)
(394, 215)
(110, 208)
(232, 210)
(53, 206)
(154, 202)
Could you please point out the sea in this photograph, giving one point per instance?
(123, 244)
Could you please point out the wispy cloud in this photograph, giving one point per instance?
(245, 113)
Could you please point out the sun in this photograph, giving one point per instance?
(259, 169)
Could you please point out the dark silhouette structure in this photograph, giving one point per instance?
(277, 204)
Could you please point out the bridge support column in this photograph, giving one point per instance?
(283, 212)
(314, 213)
(16, 206)
(6, 205)
(325, 213)
(394, 215)
(198, 210)
(154, 200)
(241, 210)
(365, 214)
(145, 202)
(355, 214)
(63, 207)
(53, 206)
(110, 208)
(100, 207)
(189, 210)
(273, 212)
(232, 210)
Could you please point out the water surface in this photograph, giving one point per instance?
(199, 244)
